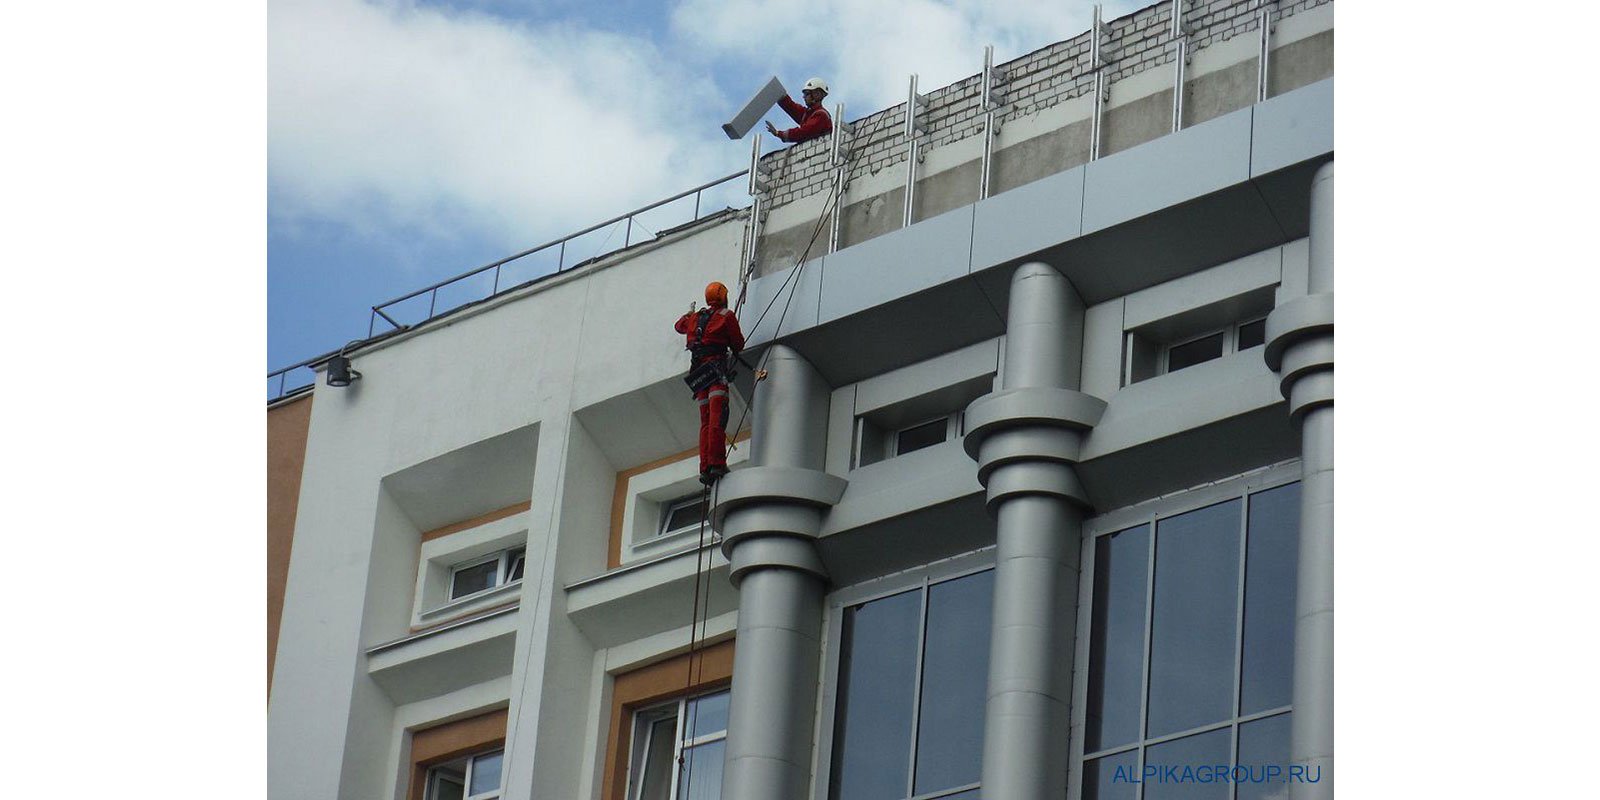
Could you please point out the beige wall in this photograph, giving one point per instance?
(287, 426)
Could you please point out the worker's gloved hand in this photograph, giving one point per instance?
(773, 130)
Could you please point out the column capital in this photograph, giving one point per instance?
(1026, 440)
(771, 517)
(1300, 349)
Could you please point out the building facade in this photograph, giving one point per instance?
(1034, 501)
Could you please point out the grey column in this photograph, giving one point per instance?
(769, 515)
(1300, 350)
(1026, 436)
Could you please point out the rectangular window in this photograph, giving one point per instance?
(471, 778)
(1191, 640)
(482, 574)
(1150, 354)
(682, 514)
(912, 679)
(876, 443)
(695, 729)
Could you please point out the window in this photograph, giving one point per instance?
(483, 574)
(698, 730)
(682, 514)
(1191, 643)
(912, 679)
(1215, 344)
(471, 778)
(877, 443)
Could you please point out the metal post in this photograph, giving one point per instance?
(628, 232)
(433, 299)
(1263, 54)
(914, 103)
(1300, 350)
(496, 289)
(753, 226)
(837, 159)
(990, 101)
(1099, 85)
(561, 257)
(1180, 54)
(1026, 436)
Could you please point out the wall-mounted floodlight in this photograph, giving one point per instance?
(754, 110)
(339, 372)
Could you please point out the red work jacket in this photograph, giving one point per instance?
(814, 121)
(722, 329)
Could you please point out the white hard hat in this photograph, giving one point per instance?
(815, 83)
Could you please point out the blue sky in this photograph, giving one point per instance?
(411, 141)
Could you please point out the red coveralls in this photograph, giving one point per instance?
(721, 336)
(814, 121)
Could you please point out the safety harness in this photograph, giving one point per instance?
(710, 363)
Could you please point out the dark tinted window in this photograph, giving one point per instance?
(1206, 750)
(917, 437)
(1195, 352)
(685, 513)
(1192, 629)
(1116, 647)
(1112, 777)
(1264, 743)
(878, 669)
(475, 578)
(955, 671)
(1252, 334)
(1269, 584)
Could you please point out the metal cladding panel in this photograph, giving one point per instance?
(929, 253)
(1291, 128)
(1170, 170)
(795, 304)
(1018, 223)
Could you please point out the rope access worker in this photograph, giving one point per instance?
(813, 119)
(713, 340)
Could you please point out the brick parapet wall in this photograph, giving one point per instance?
(1032, 83)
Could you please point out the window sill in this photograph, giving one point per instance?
(471, 603)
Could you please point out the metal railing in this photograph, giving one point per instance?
(387, 310)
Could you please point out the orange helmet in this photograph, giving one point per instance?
(716, 294)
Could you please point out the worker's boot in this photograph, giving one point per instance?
(712, 473)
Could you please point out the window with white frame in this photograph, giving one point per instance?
(908, 720)
(482, 574)
(1213, 345)
(1162, 350)
(685, 513)
(695, 729)
(1191, 645)
(875, 442)
(474, 777)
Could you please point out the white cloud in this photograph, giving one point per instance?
(391, 115)
(866, 49)
(404, 121)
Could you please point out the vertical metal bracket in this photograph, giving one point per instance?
(1264, 53)
(916, 106)
(991, 100)
(1180, 58)
(1096, 63)
(758, 184)
(839, 157)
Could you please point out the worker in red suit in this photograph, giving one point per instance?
(713, 339)
(813, 119)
